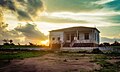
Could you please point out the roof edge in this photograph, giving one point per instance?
(74, 27)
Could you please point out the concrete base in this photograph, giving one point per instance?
(76, 49)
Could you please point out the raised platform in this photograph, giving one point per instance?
(74, 49)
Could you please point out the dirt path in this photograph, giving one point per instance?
(50, 63)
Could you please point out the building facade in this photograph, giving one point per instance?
(74, 37)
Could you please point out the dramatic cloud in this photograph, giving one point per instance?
(94, 18)
(114, 19)
(71, 5)
(6, 34)
(112, 31)
(60, 20)
(103, 1)
(25, 9)
(21, 34)
(113, 5)
(83, 6)
(31, 32)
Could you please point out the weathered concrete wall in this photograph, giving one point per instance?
(76, 49)
(56, 35)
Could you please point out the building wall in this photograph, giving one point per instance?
(93, 37)
(82, 38)
(96, 37)
(56, 35)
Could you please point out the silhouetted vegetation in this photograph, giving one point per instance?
(116, 43)
(8, 42)
(31, 44)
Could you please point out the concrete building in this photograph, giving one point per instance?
(74, 37)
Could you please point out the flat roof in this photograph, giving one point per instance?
(74, 27)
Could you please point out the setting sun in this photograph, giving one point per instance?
(46, 42)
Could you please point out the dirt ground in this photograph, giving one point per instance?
(51, 63)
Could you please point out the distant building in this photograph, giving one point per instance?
(74, 37)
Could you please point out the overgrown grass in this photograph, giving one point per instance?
(108, 67)
(7, 56)
(20, 46)
(101, 59)
(20, 54)
(72, 54)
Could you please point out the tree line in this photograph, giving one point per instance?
(10, 42)
(115, 43)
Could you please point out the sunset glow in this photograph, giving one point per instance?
(46, 42)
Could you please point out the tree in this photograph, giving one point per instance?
(101, 45)
(31, 44)
(5, 42)
(10, 41)
(19, 44)
(116, 44)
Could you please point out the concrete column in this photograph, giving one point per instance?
(70, 37)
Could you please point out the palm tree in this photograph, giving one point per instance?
(11, 41)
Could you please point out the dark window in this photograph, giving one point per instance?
(78, 36)
(68, 37)
(86, 36)
(95, 36)
(58, 38)
(53, 38)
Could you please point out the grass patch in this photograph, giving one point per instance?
(108, 67)
(100, 59)
(20, 54)
(114, 54)
(71, 54)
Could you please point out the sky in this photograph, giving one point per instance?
(31, 20)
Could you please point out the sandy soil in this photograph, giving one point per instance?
(51, 63)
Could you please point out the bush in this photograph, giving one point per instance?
(97, 51)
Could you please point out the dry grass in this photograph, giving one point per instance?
(61, 62)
